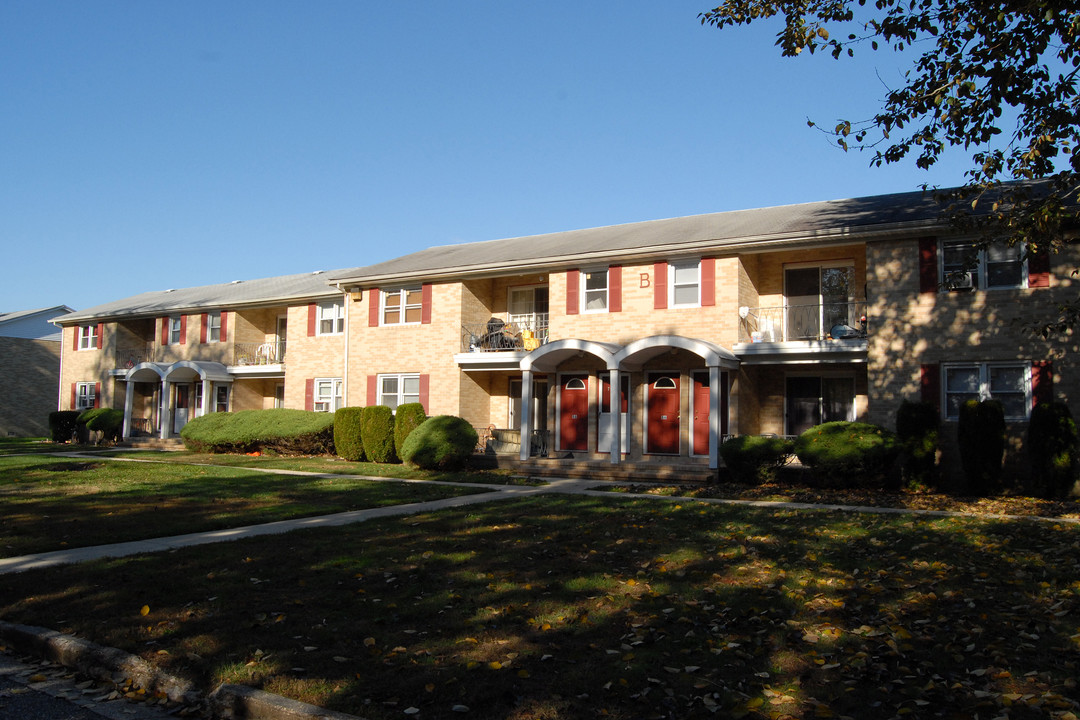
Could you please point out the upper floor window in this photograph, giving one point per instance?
(213, 327)
(327, 394)
(331, 318)
(176, 329)
(398, 389)
(1008, 383)
(85, 395)
(684, 284)
(965, 266)
(402, 306)
(594, 290)
(88, 337)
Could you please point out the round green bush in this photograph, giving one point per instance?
(980, 433)
(408, 417)
(347, 441)
(754, 459)
(377, 432)
(280, 430)
(918, 427)
(848, 454)
(106, 421)
(442, 442)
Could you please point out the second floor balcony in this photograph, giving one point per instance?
(506, 334)
(795, 323)
(266, 353)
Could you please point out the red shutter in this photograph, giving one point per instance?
(224, 332)
(309, 394)
(75, 343)
(931, 384)
(165, 330)
(614, 281)
(928, 265)
(183, 329)
(659, 285)
(1042, 382)
(424, 382)
(97, 395)
(74, 394)
(205, 327)
(573, 289)
(312, 318)
(1039, 269)
(708, 282)
(373, 307)
(372, 389)
(425, 304)
(100, 335)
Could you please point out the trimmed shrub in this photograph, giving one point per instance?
(377, 433)
(408, 417)
(442, 442)
(347, 441)
(918, 426)
(62, 424)
(980, 433)
(282, 431)
(100, 425)
(1053, 448)
(754, 459)
(848, 454)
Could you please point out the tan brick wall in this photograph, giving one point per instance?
(31, 369)
(308, 357)
(909, 329)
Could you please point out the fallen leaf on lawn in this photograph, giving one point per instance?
(144, 610)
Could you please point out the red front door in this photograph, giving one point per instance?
(701, 411)
(663, 413)
(574, 412)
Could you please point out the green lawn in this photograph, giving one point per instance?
(49, 503)
(585, 607)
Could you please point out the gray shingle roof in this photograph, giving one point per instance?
(239, 293)
(830, 221)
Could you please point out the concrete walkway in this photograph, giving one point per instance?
(496, 493)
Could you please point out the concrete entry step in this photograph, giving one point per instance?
(623, 472)
(153, 443)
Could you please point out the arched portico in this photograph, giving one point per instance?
(631, 357)
(183, 373)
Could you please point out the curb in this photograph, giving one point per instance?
(227, 702)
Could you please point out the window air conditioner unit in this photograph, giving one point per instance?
(959, 280)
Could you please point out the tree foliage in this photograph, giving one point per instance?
(995, 78)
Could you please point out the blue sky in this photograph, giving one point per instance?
(148, 145)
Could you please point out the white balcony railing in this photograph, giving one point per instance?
(825, 321)
(267, 353)
(517, 332)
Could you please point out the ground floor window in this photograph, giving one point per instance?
(1008, 383)
(813, 400)
(221, 402)
(328, 394)
(279, 395)
(85, 395)
(398, 389)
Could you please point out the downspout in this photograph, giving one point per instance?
(60, 378)
(346, 297)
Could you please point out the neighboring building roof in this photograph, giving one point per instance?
(744, 230)
(239, 293)
(33, 324)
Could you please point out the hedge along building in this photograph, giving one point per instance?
(758, 321)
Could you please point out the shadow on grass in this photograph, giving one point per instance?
(584, 607)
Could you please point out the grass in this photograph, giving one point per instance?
(583, 607)
(327, 465)
(49, 503)
(19, 445)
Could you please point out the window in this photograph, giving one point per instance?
(176, 327)
(88, 337)
(594, 290)
(221, 403)
(395, 390)
(402, 306)
(964, 266)
(327, 394)
(813, 400)
(1009, 384)
(85, 395)
(684, 284)
(331, 318)
(213, 327)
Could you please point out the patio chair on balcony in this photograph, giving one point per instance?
(264, 354)
(498, 337)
